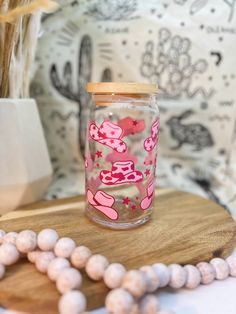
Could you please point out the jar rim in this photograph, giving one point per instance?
(121, 88)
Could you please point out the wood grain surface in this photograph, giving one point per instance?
(184, 229)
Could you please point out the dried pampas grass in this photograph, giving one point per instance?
(19, 27)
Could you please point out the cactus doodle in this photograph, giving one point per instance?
(173, 70)
(64, 86)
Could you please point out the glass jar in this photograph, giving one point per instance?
(121, 153)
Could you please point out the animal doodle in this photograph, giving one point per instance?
(173, 69)
(194, 134)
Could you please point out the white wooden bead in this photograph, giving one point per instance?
(42, 261)
(178, 276)
(119, 301)
(2, 234)
(32, 256)
(9, 254)
(163, 273)
(80, 256)
(64, 247)
(135, 282)
(56, 266)
(96, 266)
(72, 302)
(149, 304)
(10, 237)
(135, 309)
(231, 261)
(193, 277)
(47, 239)
(207, 272)
(68, 279)
(114, 275)
(153, 281)
(2, 271)
(221, 268)
(26, 241)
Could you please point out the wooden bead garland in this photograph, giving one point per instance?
(131, 289)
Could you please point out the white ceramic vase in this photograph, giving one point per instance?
(25, 168)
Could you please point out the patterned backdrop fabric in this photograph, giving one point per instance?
(187, 47)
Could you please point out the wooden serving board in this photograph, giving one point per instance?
(184, 229)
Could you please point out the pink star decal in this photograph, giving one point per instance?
(133, 207)
(112, 132)
(147, 172)
(99, 154)
(126, 201)
(111, 141)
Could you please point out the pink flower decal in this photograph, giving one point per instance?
(147, 201)
(103, 202)
(108, 134)
(151, 141)
(121, 172)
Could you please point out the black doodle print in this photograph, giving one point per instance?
(173, 70)
(65, 86)
(84, 76)
(194, 134)
(63, 117)
(106, 75)
(231, 4)
(205, 183)
(105, 51)
(219, 57)
(110, 10)
(180, 2)
(197, 5)
(67, 34)
(176, 166)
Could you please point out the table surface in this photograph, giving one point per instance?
(185, 227)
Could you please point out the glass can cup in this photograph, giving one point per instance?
(121, 153)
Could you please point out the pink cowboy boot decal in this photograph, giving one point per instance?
(108, 134)
(151, 141)
(121, 172)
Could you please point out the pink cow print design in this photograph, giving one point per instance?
(147, 201)
(108, 134)
(103, 202)
(121, 172)
(151, 141)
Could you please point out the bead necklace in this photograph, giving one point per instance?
(131, 291)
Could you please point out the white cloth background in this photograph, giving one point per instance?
(187, 46)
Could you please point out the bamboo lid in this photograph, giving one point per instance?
(121, 88)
